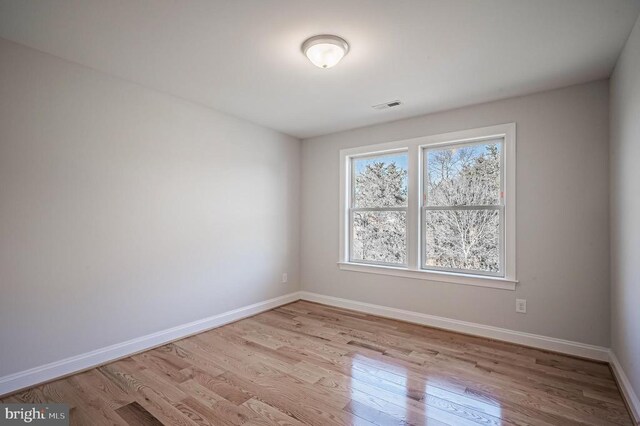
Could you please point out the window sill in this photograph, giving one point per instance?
(446, 277)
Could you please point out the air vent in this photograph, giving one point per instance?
(387, 105)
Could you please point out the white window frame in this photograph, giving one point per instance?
(425, 207)
(353, 209)
(415, 182)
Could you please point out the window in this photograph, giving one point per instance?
(440, 208)
(462, 211)
(379, 209)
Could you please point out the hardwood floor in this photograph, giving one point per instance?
(306, 363)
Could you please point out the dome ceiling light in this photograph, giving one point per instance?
(325, 51)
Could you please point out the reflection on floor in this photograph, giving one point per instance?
(306, 363)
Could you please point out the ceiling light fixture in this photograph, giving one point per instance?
(325, 51)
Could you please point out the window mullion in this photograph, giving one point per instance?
(413, 210)
(379, 209)
(464, 207)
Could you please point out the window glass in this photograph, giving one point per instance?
(463, 240)
(380, 181)
(466, 175)
(380, 236)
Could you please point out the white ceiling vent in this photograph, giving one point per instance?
(387, 105)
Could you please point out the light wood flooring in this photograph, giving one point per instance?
(306, 363)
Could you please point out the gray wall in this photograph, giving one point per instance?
(124, 211)
(625, 209)
(562, 218)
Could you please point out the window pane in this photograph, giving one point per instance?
(380, 236)
(380, 181)
(467, 175)
(463, 239)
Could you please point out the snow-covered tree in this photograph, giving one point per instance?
(381, 184)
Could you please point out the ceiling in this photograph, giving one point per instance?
(243, 57)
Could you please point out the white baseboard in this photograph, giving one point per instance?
(64, 367)
(534, 340)
(625, 386)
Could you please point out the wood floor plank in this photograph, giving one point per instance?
(135, 414)
(305, 363)
(94, 381)
(272, 414)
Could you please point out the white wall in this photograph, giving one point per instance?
(625, 209)
(124, 211)
(562, 218)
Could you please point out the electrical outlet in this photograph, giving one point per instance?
(285, 278)
(521, 306)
